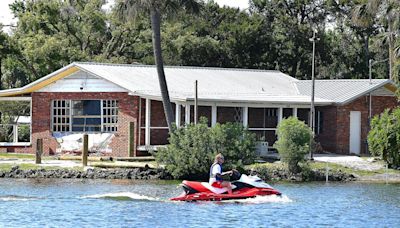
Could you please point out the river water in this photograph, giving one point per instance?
(110, 203)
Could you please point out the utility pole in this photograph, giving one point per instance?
(196, 105)
(370, 62)
(312, 108)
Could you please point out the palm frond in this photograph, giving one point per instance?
(360, 15)
(397, 49)
(373, 6)
(130, 9)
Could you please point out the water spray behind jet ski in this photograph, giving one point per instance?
(243, 187)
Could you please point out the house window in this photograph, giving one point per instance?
(287, 112)
(263, 118)
(263, 122)
(319, 120)
(110, 115)
(84, 115)
(303, 114)
(61, 115)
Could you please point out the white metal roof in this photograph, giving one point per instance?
(341, 90)
(217, 84)
(214, 84)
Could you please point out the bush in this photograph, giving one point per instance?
(192, 149)
(384, 137)
(293, 142)
(24, 133)
(236, 144)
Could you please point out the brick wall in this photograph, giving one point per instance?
(336, 122)
(379, 104)
(334, 136)
(41, 122)
(327, 136)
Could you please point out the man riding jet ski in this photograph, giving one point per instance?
(216, 174)
(217, 189)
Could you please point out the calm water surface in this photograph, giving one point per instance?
(94, 203)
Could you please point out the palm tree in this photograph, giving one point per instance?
(155, 8)
(387, 14)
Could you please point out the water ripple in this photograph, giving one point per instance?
(121, 196)
(17, 198)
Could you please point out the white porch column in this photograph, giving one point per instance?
(187, 113)
(147, 122)
(178, 115)
(280, 114)
(213, 115)
(15, 133)
(245, 116)
(295, 112)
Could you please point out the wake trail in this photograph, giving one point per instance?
(17, 198)
(131, 196)
(122, 196)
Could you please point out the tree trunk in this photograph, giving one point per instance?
(390, 51)
(293, 71)
(155, 25)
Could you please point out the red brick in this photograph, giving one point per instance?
(336, 134)
(41, 105)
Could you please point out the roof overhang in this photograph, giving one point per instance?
(388, 84)
(42, 82)
(176, 98)
(16, 98)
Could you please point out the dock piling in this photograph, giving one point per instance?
(39, 151)
(131, 149)
(85, 149)
(327, 172)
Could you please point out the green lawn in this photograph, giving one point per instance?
(17, 156)
(22, 156)
(26, 166)
(322, 166)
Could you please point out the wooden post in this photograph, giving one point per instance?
(85, 149)
(39, 151)
(132, 144)
(327, 172)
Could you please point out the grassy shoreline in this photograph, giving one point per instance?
(26, 162)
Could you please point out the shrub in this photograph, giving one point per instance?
(384, 137)
(24, 133)
(192, 149)
(236, 144)
(293, 142)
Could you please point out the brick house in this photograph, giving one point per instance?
(109, 98)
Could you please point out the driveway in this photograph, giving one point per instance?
(368, 164)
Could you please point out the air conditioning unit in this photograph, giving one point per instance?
(262, 149)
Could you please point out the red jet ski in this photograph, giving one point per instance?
(244, 187)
